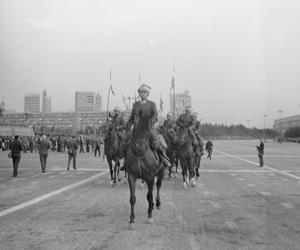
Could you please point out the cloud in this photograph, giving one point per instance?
(38, 23)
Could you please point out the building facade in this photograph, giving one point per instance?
(46, 107)
(54, 119)
(181, 100)
(32, 103)
(86, 102)
(283, 124)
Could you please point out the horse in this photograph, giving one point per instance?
(171, 150)
(141, 162)
(111, 150)
(186, 155)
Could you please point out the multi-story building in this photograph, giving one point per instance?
(2, 108)
(181, 100)
(283, 124)
(32, 103)
(46, 103)
(86, 102)
(54, 119)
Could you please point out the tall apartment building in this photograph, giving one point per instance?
(46, 108)
(181, 100)
(32, 103)
(86, 102)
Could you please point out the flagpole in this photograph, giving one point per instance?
(108, 95)
(174, 94)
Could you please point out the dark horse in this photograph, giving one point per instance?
(111, 149)
(186, 155)
(141, 162)
(171, 151)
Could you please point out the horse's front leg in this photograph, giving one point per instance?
(131, 182)
(150, 185)
(191, 165)
(109, 161)
(158, 186)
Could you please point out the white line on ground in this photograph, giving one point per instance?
(287, 205)
(243, 171)
(47, 196)
(216, 205)
(266, 156)
(265, 193)
(231, 225)
(255, 163)
(251, 185)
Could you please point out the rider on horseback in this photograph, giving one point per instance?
(118, 123)
(146, 109)
(196, 128)
(186, 120)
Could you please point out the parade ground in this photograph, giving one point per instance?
(236, 205)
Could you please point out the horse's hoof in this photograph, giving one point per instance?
(150, 220)
(119, 179)
(193, 183)
(131, 226)
(111, 182)
(184, 185)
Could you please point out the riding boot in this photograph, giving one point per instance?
(163, 157)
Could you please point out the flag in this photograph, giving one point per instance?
(110, 85)
(161, 104)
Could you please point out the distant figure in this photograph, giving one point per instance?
(260, 150)
(81, 145)
(43, 147)
(16, 148)
(72, 151)
(209, 148)
(97, 146)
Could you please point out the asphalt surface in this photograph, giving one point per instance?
(236, 205)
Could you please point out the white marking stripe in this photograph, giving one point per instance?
(288, 205)
(251, 185)
(231, 225)
(265, 193)
(271, 156)
(244, 171)
(255, 163)
(47, 196)
(216, 205)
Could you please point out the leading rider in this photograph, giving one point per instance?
(146, 109)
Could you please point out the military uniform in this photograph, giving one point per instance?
(118, 122)
(199, 138)
(186, 120)
(168, 124)
(148, 111)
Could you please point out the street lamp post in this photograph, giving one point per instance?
(265, 115)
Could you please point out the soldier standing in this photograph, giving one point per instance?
(209, 148)
(72, 152)
(260, 150)
(16, 148)
(43, 147)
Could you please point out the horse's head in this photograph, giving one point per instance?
(182, 136)
(112, 138)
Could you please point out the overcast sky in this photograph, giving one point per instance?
(239, 59)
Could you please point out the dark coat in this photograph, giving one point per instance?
(43, 147)
(16, 148)
(72, 147)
